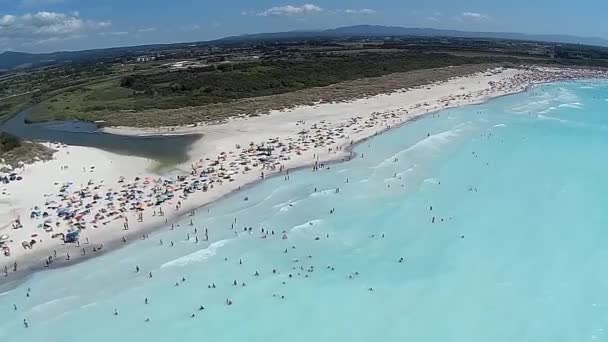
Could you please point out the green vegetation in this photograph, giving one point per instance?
(247, 78)
(250, 106)
(20, 90)
(8, 142)
(13, 150)
(13, 104)
(121, 100)
(198, 86)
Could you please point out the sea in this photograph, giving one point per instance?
(483, 223)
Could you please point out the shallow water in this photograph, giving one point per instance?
(516, 253)
(167, 150)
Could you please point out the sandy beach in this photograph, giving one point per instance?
(112, 199)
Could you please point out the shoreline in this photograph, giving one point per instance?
(345, 150)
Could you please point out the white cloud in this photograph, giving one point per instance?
(290, 10)
(307, 9)
(364, 11)
(474, 16)
(146, 29)
(52, 40)
(46, 24)
(113, 33)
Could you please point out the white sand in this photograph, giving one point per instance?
(43, 178)
(343, 123)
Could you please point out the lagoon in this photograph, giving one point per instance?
(166, 150)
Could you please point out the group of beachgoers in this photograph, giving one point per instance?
(76, 209)
(303, 263)
(97, 203)
(303, 266)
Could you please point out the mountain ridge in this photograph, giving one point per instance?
(380, 30)
(13, 60)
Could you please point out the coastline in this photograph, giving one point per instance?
(30, 263)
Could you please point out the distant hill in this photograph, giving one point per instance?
(12, 60)
(377, 31)
(15, 60)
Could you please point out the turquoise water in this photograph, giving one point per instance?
(517, 251)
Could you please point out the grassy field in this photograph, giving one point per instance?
(214, 112)
(166, 98)
(42, 84)
(13, 104)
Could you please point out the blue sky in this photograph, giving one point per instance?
(51, 25)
